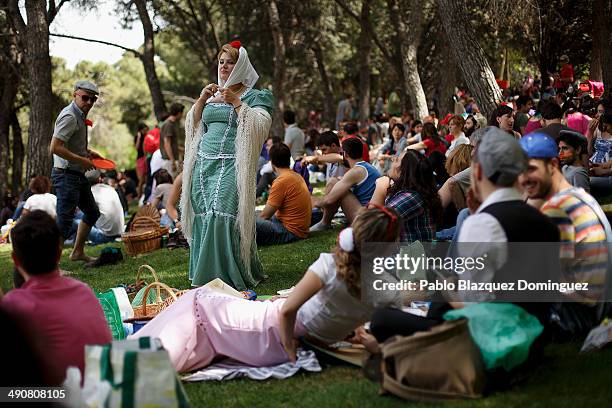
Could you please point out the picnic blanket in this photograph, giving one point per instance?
(350, 353)
(230, 369)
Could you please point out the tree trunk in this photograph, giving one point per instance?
(17, 162)
(365, 57)
(8, 93)
(329, 113)
(148, 60)
(605, 40)
(406, 16)
(472, 61)
(278, 80)
(38, 63)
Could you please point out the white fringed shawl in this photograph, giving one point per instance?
(253, 128)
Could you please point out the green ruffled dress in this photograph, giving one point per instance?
(215, 246)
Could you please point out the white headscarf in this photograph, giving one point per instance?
(243, 72)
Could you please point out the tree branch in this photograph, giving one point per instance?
(54, 10)
(368, 27)
(13, 6)
(136, 53)
(208, 16)
(348, 9)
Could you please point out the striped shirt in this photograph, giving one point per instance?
(584, 251)
(417, 224)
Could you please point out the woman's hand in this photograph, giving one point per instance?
(366, 339)
(290, 346)
(593, 126)
(228, 96)
(208, 91)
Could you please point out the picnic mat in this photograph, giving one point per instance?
(352, 354)
(230, 369)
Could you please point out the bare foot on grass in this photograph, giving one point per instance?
(81, 257)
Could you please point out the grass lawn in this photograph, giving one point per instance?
(566, 379)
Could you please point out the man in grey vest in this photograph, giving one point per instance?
(71, 159)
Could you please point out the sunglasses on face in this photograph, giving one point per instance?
(88, 99)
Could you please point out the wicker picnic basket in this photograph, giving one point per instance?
(142, 241)
(145, 233)
(149, 311)
(140, 282)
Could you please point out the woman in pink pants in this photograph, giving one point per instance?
(325, 305)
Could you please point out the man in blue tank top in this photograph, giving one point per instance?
(353, 191)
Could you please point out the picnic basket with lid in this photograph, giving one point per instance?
(145, 233)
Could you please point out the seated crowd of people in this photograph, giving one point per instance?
(521, 176)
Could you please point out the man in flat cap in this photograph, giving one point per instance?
(71, 159)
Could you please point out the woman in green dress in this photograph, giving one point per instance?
(225, 130)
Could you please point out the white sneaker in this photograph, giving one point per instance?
(319, 226)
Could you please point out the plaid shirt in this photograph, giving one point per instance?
(417, 224)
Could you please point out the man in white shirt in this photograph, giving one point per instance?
(111, 223)
(499, 215)
(294, 137)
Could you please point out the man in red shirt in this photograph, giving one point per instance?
(60, 314)
(566, 75)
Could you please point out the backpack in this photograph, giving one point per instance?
(151, 141)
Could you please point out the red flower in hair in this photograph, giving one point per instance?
(88, 122)
(236, 44)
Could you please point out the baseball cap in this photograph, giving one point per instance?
(501, 157)
(564, 58)
(87, 86)
(539, 145)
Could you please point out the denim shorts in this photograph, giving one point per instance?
(73, 190)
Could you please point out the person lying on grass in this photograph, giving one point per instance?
(326, 305)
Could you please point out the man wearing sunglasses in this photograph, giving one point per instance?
(71, 159)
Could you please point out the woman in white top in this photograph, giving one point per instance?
(42, 199)
(326, 305)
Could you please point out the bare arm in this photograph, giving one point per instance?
(330, 158)
(155, 202)
(175, 194)
(57, 147)
(339, 190)
(168, 148)
(208, 91)
(268, 212)
(380, 193)
(417, 146)
(304, 290)
(445, 192)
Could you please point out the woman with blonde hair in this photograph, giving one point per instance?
(225, 130)
(459, 159)
(326, 305)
